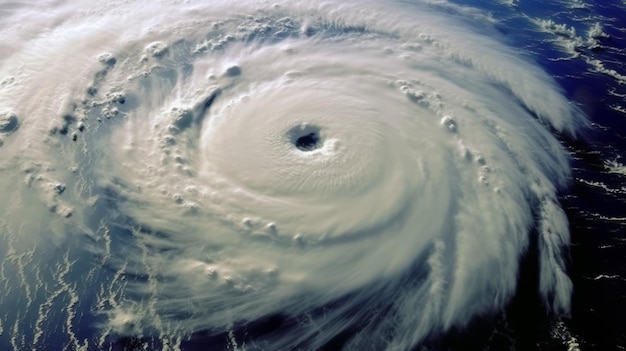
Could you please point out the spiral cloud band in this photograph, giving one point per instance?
(196, 167)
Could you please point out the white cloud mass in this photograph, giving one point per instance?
(152, 176)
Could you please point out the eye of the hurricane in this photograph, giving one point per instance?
(308, 142)
(306, 138)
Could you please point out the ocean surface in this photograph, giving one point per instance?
(325, 175)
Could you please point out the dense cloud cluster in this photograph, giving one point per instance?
(350, 166)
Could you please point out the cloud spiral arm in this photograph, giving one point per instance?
(353, 166)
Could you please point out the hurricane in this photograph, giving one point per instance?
(272, 175)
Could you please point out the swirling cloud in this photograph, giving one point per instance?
(348, 166)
